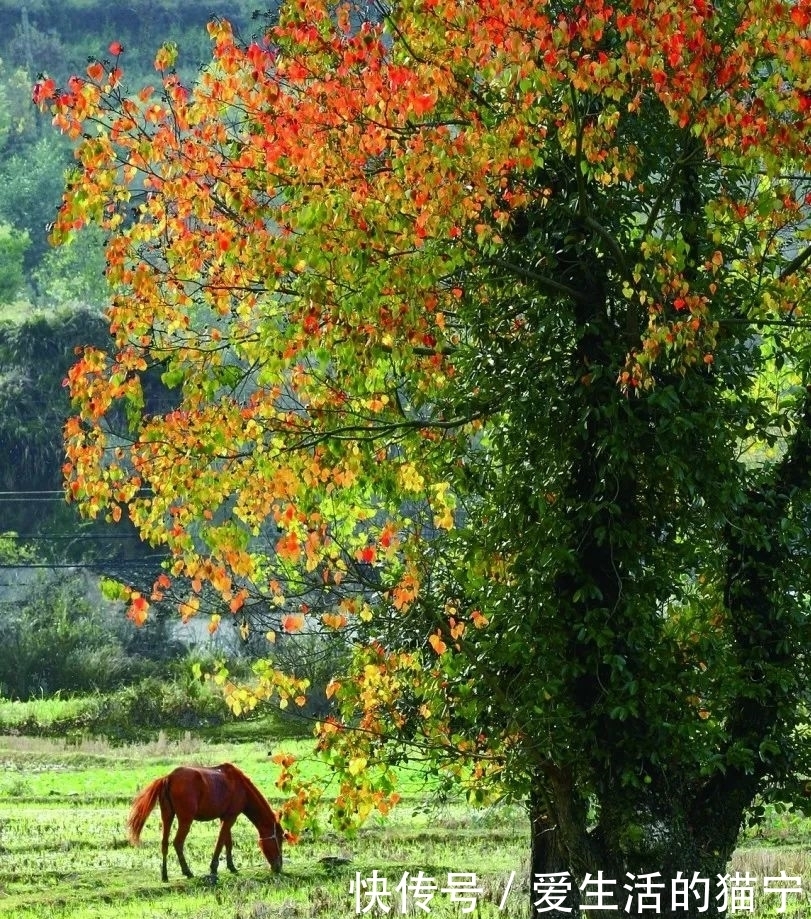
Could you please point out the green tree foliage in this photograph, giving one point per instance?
(30, 186)
(19, 123)
(73, 273)
(34, 357)
(13, 246)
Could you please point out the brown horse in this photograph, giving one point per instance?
(192, 793)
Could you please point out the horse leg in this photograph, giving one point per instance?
(228, 847)
(183, 827)
(167, 816)
(224, 839)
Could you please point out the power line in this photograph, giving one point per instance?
(146, 561)
(43, 537)
(24, 491)
(31, 500)
(47, 491)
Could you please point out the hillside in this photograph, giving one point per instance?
(58, 37)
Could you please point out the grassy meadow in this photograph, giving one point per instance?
(64, 852)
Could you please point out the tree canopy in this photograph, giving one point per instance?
(488, 326)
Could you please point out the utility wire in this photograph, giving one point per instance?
(101, 563)
(25, 491)
(48, 537)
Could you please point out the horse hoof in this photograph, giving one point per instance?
(212, 879)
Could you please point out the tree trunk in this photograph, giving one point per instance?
(641, 857)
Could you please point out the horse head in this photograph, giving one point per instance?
(271, 846)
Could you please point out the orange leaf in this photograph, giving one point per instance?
(436, 642)
(367, 554)
(236, 604)
(139, 610)
(421, 103)
(293, 622)
(288, 547)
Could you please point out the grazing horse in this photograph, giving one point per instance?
(192, 793)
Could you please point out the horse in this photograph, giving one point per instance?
(191, 793)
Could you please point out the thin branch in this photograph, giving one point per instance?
(550, 285)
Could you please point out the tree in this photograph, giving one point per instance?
(35, 355)
(74, 274)
(31, 182)
(488, 323)
(13, 244)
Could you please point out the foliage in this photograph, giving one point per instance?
(143, 709)
(57, 37)
(54, 640)
(13, 245)
(35, 354)
(19, 123)
(74, 273)
(13, 552)
(488, 328)
(316, 658)
(28, 45)
(30, 186)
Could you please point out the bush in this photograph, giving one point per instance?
(57, 641)
(134, 713)
(153, 704)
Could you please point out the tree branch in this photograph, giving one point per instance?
(795, 264)
(550, 285)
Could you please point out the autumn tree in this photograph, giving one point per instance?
(487, 323)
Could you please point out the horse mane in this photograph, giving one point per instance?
(258, 801)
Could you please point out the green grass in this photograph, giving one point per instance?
(64, 852)
(44, 711)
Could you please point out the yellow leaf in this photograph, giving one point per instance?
(357, 765)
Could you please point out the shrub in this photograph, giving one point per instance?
(56, 640)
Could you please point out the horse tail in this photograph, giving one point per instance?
(142, 807)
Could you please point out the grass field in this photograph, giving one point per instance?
(63, 848)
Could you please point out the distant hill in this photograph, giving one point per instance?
(58, 36)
